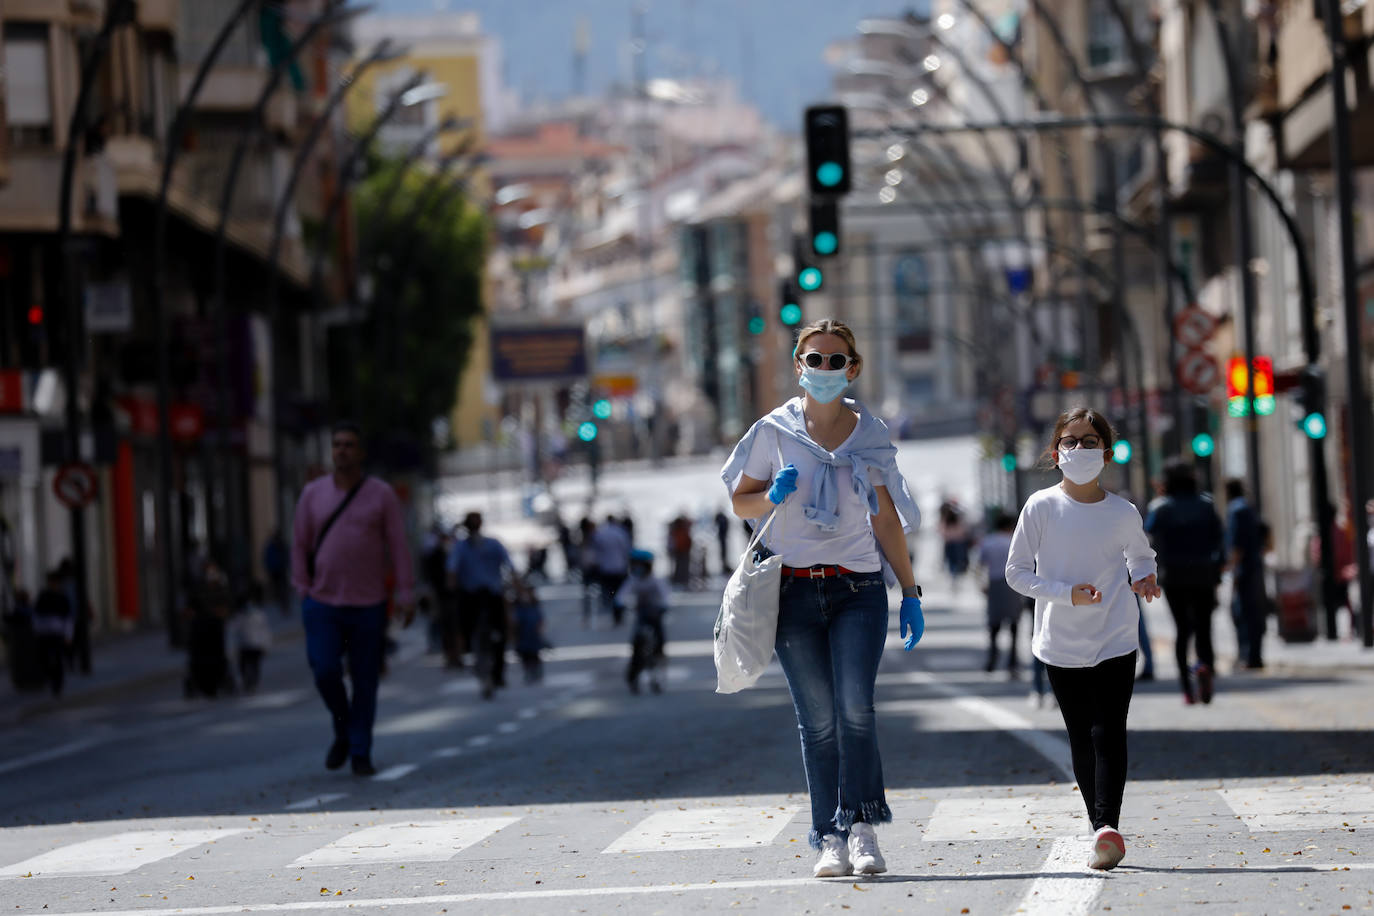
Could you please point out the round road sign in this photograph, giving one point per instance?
(75, 485)
(1193, 326)
(1197, 372)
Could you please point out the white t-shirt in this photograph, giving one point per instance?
(1059, 543)
(799, 542)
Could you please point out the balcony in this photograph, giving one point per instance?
(1303, 93)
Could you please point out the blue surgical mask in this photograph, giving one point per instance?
(825, 385)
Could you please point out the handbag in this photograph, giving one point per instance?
(747, 625)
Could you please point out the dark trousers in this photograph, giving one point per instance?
(250, 668)
(1192, 607)
(1247, 610)
(52, 650)
(993, 630)
(1094, 702)
(485, 612)
(331, 632)
(610, 585)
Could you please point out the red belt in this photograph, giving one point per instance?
(814, 572)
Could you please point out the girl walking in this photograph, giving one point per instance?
(1081, 553)
(829, 468)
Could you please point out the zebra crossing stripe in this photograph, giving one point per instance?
(1065, 886)
(412, 841)
(316, 801)
(1011, 818)
(1302, 807)
(116, 854)
(704, 828)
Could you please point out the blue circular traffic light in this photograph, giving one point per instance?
(1204, 445)
(1314, 424)
(602, 409)
(587, 431)
(825, 243)
(790, 314)
(810, 279)
(1121, 451)
(830, 174)
(757, 325)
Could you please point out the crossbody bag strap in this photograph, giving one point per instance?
(329, 523)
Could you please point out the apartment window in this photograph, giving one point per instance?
(28, 95)
(911, 290)
(1106, 38)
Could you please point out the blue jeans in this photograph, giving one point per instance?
(830, 640)
(330, 632)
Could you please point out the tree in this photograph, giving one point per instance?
(424, 250)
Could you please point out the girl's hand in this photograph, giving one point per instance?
(1146, 588)
(1085, 593)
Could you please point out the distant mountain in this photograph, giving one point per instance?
(770, 48)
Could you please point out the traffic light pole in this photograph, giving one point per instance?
(1354, 353)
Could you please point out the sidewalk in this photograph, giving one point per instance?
(120, 664)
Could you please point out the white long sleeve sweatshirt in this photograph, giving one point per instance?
(1059, 543)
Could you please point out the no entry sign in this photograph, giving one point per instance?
(1193, 326)
(75, 485)
(1197, 372)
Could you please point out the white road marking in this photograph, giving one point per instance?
(1052, 748)
(52, 753)
(414, 841)
(1302, 807)
(508, 728)
(448, 752)
(316, 801)
(1010, 818)
(393, 773)
(479, 741)
(275, 700)
(527, 713)
(703, 828)
(116, 854)
(429, 720)
(1066, 887)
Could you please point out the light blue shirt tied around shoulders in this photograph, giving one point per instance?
(868, 452)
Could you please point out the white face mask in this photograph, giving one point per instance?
(1081, 465)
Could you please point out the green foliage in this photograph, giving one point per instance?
(425, 250)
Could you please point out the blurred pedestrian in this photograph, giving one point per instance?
(1189, 541)
(21, 644)
(611, 547)
(680, 549)
(54, 623)
(955, 533)
(1245, 552)
(1342, 537)
(723, 539)
(276, 564)
(529, 632)
(477, 568)
(648, 597)
(586, 568)
(252, 636)
(78, 650)
(1079, 546)
(828, 469)
(349, 535)
(207, 646)
(1004, 605)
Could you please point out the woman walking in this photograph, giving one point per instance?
(1072, 551)
(828, 468)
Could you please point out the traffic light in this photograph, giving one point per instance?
(1312, 402)
(35, 315)
(1204, 445)
(825, 228)
(1237, 385)
(827, 150)
(757, 325)
(602, 409)
(1122, 451)
(587, 431)
(789, 308)
(810, 278)
(1009, 462)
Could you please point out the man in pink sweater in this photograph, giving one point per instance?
(348, 535)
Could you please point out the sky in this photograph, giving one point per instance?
(772, 49)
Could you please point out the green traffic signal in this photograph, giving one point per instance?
(757, 325)
(1008, 462)
(790, 314)
(602, 409)
(1121, 451)
(1264, 405)
(587, 431)
(1204, 445)
(830, 174)
(1314, 424)
(825, 243)
(810, 279)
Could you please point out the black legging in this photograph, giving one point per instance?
(1192, 607)
(1094, 702)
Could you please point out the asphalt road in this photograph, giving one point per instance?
(576, 796)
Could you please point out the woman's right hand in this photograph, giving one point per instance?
(1085, 593)
(784, 485)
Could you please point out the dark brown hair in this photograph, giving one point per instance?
(1099, 423)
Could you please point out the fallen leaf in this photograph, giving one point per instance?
(857, 888)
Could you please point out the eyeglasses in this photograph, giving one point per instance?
(815, 360)
(1066, 443)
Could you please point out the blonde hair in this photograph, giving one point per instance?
(830, 326)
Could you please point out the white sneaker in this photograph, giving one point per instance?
(1109, 848)
(864, 856)
(834, 860)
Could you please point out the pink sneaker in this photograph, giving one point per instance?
(1109, 848)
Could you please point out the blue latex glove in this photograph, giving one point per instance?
(912, 619)
(784, 485)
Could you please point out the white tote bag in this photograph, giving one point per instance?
(747, 625)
